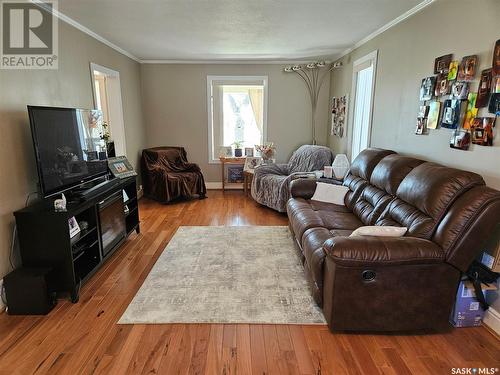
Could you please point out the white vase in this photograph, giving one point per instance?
(340, 166)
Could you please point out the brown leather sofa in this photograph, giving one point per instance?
(392, 284)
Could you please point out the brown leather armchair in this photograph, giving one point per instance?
(167, 175)
(392, 284)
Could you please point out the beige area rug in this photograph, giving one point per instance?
(210, 274)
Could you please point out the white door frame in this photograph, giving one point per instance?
(115, 106)
(357, 65)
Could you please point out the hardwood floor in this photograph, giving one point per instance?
(84, 338)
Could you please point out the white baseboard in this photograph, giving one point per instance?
(218, 186)
(492, 320)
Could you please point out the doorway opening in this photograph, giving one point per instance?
(363, 88)
(108, 98)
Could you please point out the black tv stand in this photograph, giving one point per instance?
(45, 241)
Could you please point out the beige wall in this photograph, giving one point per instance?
(175, 108)
(69, 86)
(406, 54)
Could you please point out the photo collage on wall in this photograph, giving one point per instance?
(339, 115)
(448, 100)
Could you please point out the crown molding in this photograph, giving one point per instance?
(105, 41)
(85, 30)
(417, 8)
(233, 62)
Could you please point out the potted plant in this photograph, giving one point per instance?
(238, 151)
(266, 151)
(106, 137)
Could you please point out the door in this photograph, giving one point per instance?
(363, 89)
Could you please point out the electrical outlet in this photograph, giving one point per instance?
(2, 305)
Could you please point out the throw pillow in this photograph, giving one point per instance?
(330, 193)
(379, 231)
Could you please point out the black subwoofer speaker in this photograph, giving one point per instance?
(27, 291)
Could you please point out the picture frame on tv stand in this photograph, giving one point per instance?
(120, 167)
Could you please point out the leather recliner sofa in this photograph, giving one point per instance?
(367, 283)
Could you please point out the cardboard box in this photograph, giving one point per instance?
(491, 255)
(467, 311)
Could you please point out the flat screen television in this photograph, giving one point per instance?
(69, 150)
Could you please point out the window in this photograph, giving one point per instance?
(237, 112)
(363, 84)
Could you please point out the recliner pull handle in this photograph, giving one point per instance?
(368, 275)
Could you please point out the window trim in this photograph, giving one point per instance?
(210, 79)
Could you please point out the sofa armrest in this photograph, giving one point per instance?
(303, 188)
(382, 251)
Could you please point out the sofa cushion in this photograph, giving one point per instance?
(390, 172)
(379, 231)
(366, 161)
(339, 220)
(304, 214)
(360, 172)
(384, 182)
(370, 204)
(330, 193)
(424, 195)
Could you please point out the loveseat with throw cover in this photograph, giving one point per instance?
(271, 183)
(167, 175)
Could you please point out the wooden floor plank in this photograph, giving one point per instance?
(84, 338)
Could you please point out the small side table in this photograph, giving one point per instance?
(223, 162)
(247, 182)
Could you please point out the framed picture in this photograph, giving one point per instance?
(442, 64)
(460, 90)
(421, 126)
(494, 106)
(471, 110)
(460, 139)
(226, 152)
(120, 167)
(251, 163)
(467, 68)
(482, 131)
(433, 116)
(249, 151)
(74, 228)
(339, 115)
(234, 173)
(496, 85)
(453, 71)
(453, 113)
(423, 111)
(483, 92)
(442, 85)
(427, 88)
(496, 59)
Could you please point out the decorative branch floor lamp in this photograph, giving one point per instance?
(310, 74)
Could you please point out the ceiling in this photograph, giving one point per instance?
(220, 30)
